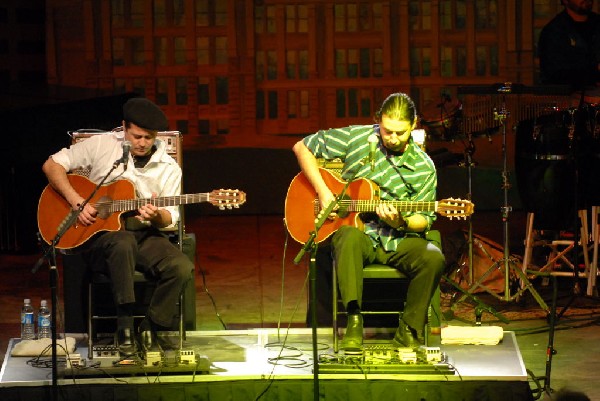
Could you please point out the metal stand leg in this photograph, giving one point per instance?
(507, 262)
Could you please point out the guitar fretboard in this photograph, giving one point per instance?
(359, 205)
(133, 204)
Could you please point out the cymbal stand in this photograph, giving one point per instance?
(506, 262)
(469, 163)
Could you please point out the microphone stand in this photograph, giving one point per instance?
(311, 245)
(50, 255)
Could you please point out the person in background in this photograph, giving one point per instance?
(402, 171)
(141, 245)
(569, 46)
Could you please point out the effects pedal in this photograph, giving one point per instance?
(74, 361)
(153, 358)
(187, 357)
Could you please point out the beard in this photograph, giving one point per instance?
(580, 7)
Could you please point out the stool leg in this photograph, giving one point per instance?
(89, 323)
(334, 310)
(528, 244)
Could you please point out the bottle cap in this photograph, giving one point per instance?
(43, 303)
(27, 301)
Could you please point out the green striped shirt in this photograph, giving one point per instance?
(350, 145)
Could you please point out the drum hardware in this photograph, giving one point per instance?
(508, 264)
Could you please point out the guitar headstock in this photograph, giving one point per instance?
(455, 208)
(227, 198)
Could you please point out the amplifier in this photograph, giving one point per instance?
(172, 139)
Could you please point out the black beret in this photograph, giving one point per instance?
(145, 114)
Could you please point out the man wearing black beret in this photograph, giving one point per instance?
(141, 245)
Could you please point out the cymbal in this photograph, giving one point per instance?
(515, 89)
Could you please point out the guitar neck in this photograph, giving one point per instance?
(134, 204)
(402, 206)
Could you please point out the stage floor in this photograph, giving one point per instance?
(269, 353)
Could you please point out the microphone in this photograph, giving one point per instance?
(125, 158)
(373, 140)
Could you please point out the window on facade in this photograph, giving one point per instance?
(291, 64)
(420, 61)
(377, 62)
(260, 19)
(203, 91)
(352, 63)
(220, 12)
(446, 61)
(182, 126)
(271, 26)
(204, 127)
(117, 10)
(137, 50)
(271, 64)
(365, 103)
(461, 61)
(260, 105)
(179, 50)
(296, 19)
(119, 85)
(118, 51)
(202, 51)
(292, 104)
(352, 103)
(446, 14)
(273, 105)
(221, 50)
(486, 14)
(481, 56)
(127, 13)
(303, 64)
(160, 13)
(494, 62)
(162, 91)
(345, 17)
(340, 63)
(139, 86)
(297, 104)
(340, 103)
(209, 13)
(137, 13)
(304, 106)
(222, 126)
(160, 51)
(365, 63)
(260, 60)
(202, 13)
(181, 96)
(364, 17)
(222, 90)
(419, 12)
(460, 21)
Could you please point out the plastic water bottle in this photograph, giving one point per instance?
(44, 321)
(27, 324)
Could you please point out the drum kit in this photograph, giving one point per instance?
(557, 153)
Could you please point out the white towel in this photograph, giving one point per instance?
(43, 347)
(478, 335)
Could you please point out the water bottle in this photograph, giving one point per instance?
(27, 325)
(44, 321)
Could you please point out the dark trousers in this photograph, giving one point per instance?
(419, 259)
(120, 253)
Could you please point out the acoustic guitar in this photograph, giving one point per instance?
(111, 201)
(302, 206)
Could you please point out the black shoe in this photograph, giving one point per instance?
(406, 337)
(126, 342)
(353, 339)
